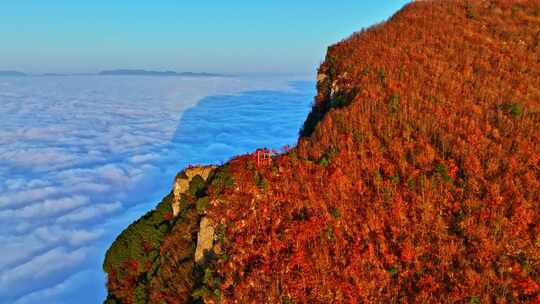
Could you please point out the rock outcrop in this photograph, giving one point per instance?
(174, 237)
(205, 239)
(182, 180)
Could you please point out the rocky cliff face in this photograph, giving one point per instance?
(163, 251)
(416, 179)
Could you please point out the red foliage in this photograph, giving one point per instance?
(421, 182)
(168, 216)
(417, 179)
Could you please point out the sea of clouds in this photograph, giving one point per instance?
(82, 157)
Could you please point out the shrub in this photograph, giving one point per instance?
(513, 109)
(326, 158)
(331, 70)
(201, 204)
(441, 170)
(260, 181)
(222, 180)
(197, 186)
(338, 102)
(393, 103)
(382, 75)
(335, 212)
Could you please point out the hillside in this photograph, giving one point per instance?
(416, 179)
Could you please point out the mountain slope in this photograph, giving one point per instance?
(416, 179)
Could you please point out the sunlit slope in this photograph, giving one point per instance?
(416, 178)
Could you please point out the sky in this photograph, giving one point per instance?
(235, 36)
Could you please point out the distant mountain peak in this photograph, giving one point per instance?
(11, 73)
(139, 72)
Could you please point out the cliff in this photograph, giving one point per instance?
(416, 179)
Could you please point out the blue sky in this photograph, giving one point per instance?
(236, 36)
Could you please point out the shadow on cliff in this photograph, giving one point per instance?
(222, 126)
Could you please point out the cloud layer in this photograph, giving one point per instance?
(82, 157)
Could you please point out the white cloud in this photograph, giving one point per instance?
(52, 262)
(73, 237)
(45, 294)
(18, 248)
(83, 157)
(143, 158)
(112, 173)
(37, 157)
(66, 292)
(88, 213)
(26, 195)
(44, 209)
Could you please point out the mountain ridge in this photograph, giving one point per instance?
(416, 178)
(117, 72)
(138, 72)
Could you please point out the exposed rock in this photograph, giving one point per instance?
(321, 77)
(205, 239)
(181, 183)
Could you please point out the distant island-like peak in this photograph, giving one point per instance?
(11, 73)
(137, 72)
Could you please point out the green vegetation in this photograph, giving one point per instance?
(208, 282)
(331, 71)
(201, 204)
(469, 11)
(335, 212)
(513, 109)
(260, 181)
(327, 157)
(286, 300)
(301, 215)
(221, 233)
(221, 180)
(197, 186)
(312, 120)
(393, 103)
(358, 138)
(148, 231)
(136, 256)
(138, 246)
(441, 170)
(411, 184)
(338, 102)
(395, 179)
(382, 75)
